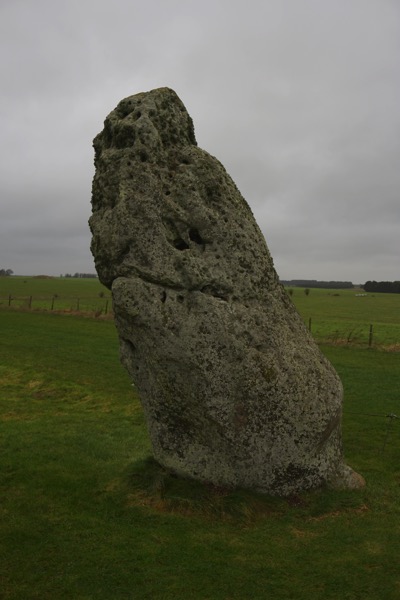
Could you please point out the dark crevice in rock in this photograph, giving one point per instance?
(208, 289)
(212, 290)
(174, 236)
(332, 425)
(130, 345)
(148, 278)
(195, 236)
(180, 244)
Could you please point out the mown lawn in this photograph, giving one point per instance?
(85, 513)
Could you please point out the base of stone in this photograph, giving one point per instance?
(346, 479)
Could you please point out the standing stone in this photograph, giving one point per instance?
(234, 389)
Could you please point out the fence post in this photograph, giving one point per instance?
(30, 302)
(9, 299)
(370, 336)
(77, 304)
(52, 303)
(309, 324)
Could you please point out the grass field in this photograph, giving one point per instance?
(337, 316)
(54, 294)
(85, 513)
(343, 316)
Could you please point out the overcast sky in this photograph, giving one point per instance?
(299, 100)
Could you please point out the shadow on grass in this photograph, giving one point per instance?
(148, 484)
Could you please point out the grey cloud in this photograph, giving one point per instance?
(297, 98)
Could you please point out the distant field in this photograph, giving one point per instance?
(337, 316)
(344, 317)
(55, 293)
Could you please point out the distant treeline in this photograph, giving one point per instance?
(6, 272)
(81, 275)
(389, 287)
(313, 283)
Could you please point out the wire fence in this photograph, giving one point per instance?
(366, 335)
(95, 306)
(392, 418)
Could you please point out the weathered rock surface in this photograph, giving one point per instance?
(234, 389)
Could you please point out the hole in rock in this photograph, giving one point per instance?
(130, 345)
(163, 296)
(213, 291)
(180, 244)
(195, 236)
(180, 299)
(167, 192)
(143, 156)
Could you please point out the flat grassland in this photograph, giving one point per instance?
(335, 316)
(67, 294)
(86, 514)
(345, 316)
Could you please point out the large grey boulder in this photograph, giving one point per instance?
(234, 389)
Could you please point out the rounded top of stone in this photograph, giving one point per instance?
(159, 113)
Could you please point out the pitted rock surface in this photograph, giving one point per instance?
(234, 389)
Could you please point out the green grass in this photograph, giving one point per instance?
(337, 316)
(54, 293)
(342, 317)
(86, 514)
